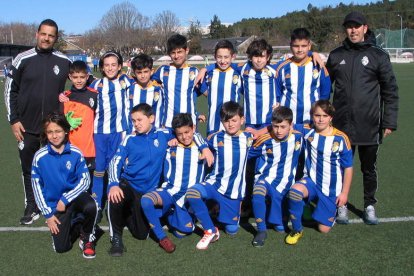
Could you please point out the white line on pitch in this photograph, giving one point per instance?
(43, 228)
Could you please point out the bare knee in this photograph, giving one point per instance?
(324, 229)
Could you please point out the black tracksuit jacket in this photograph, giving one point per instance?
(32, 89)
(365, 91)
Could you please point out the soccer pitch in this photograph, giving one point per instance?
(385, 249)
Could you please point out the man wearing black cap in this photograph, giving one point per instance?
(366, 102)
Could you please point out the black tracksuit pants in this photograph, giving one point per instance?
(128, 213)
(78, 220)
(368, 157)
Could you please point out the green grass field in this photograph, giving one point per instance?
(386, 249)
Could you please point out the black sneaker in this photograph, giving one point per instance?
(30, 215)
(117, 249)
(259, 239)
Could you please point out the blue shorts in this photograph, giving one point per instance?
(274, 212)
(106, 146)
(229, 208)
(178, 217)
(325, 210)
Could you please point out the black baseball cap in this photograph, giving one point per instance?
(356, 17)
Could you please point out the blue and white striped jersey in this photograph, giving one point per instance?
(112, 111)
(259, 93)
(220, 86)
(230, 156)
(58, 176)
(277, 159)
(152, 95)
(182, 169)
(299, 86)
(326, 157)
(180, 96)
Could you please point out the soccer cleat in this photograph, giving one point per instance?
(30, 215)
(369, 216)
(342, 216)
(89, 250)
(293, 237)
(208, 237)
(117, 248)
(167, 245)
(259, 239)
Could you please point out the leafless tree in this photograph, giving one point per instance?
(122, 27)
(18, 33)
(164, 25)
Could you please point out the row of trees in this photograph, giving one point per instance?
(125, 29)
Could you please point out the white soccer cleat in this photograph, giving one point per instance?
(208, 237)
(342, 217)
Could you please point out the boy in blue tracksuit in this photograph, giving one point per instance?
(135, 170)
(60, 180)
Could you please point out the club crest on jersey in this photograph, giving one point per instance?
(287, 76)
(91, 102)
(165, 74)
(156, 96)
(297, 145)
(192, 75)
(310, 139)
(235, 79)
(269, 151)
(68, 165)
(173, 154)
(56, 70)
(365, 61)
(315, 73)
(246, 72)
(220, 144)
(335, 147)
(249, 141)
(156, 143)
(123, 84)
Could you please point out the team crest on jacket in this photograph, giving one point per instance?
(123, 84)
(315, 73)
(68, 165)
(91, 102)
(365, 60)
(56, 70)
(156, 143)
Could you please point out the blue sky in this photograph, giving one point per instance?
(78, 16)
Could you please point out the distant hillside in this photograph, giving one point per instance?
(325, 24)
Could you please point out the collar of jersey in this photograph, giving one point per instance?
(278, 140)
(185, 65)
(218, 68)
(66, 149)
(186, 147)
(309, 59)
